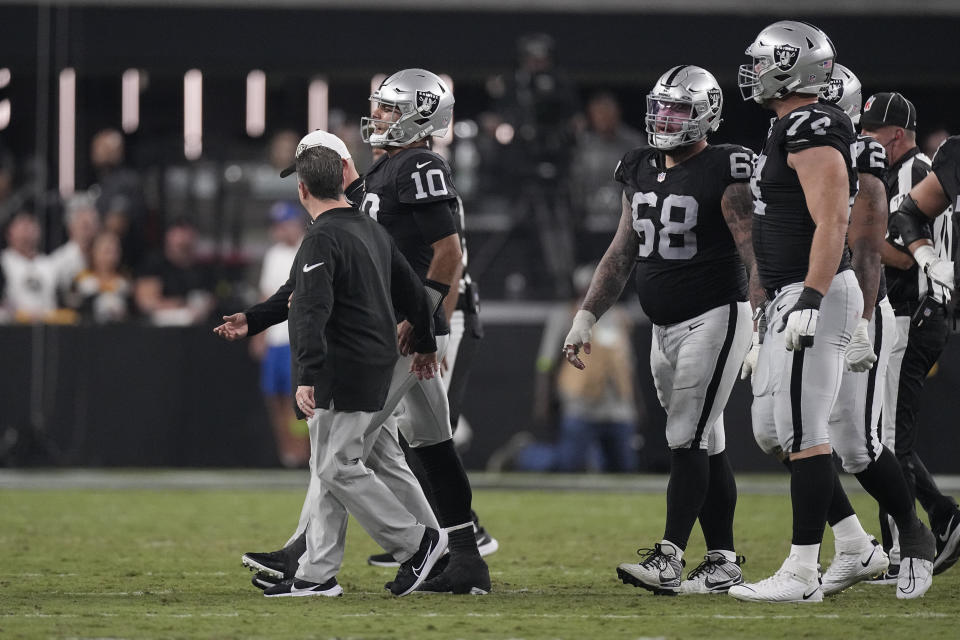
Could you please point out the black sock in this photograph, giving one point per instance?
(840, 506)
(464, 542)
(413, 461)
(883, 479)
(686, 492)
(716, 515)
(811, 488)
(449, 484)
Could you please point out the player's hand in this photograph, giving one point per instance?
(233, 328)
(444, 367)
(800, 322)
(750, 361)
(424, 365)
(305, 400)
(941, 271)
(859, 354)
(578, 337)
(405, 338)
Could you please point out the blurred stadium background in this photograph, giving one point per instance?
(202, 93)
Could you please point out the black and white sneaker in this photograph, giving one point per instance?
(294, 587)
(486, 544)
(464, 575)
(659, 570)
(276, 564)
(948, 544)
(414, 571)
(715, 574)
(263, 582)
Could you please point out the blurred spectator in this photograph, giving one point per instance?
(102, 291)
(118, 191)
(933, 140)
(596, 195)
(173, 288)
(69, 259)
(273, 345)
(30, 292)
(540, 107)
(597, 406)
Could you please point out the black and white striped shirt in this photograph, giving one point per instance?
(906, 288)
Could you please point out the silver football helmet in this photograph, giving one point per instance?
(423, 105)
(845, 91)
(683, 107)
(788, 57)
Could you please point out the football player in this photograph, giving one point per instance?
(920, 304)
(855, 419)
(931, 199)
(803, 185)
(685, 223)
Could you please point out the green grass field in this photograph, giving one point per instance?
(166, 564)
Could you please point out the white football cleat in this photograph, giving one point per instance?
(791, 583)
(853, 563)
(915, 578)
(659, 571)
(715, 574)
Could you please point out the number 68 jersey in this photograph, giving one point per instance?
(688, 262)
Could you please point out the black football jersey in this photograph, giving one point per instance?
(946, 164)
(394, 187)
(872, 159)
(782, 226)
(688, 262)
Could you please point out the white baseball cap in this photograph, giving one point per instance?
(318, 138)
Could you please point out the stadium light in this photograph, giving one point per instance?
(5, 77)
(256, 103)
(192, 114)
(130, 100)
(5, 110)
(68, 128)
(318, 104)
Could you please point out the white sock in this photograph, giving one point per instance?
(671, 549)
(805, 554)
(729, 556)
(849, 530)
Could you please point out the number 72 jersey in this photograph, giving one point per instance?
(687, 261)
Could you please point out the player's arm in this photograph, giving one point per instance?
(614, 267)
(822, 172)
(865, 237)
(438, 228)
(605, 287)
(925, 202)
(891, 256)
(737, 207)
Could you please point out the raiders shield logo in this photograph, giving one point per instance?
(427, 102)
(785, 55)
(713, 95)
(834, 90)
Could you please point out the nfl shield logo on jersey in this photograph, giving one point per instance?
(786, 56)
(427, 102)
(661, 176)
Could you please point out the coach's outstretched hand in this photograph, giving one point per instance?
(425, 365)
(233, 328)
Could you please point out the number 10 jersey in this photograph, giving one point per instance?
(688, 262)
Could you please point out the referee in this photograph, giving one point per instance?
(919, 304)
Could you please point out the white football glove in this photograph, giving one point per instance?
(579, 336)
(859, 354)
(750, 361)
(937, 269)
(800, 322)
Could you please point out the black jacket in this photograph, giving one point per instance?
(347, 278)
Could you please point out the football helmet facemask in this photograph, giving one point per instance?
(683, 107)
(845, 91)
(788, 57)
(422, 103)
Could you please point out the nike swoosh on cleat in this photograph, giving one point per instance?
(946, 534)
(780, 307)
(417, 570)
(307, 268)
(807, 596)
(869, 558)
(723, 583)
(423, 164)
